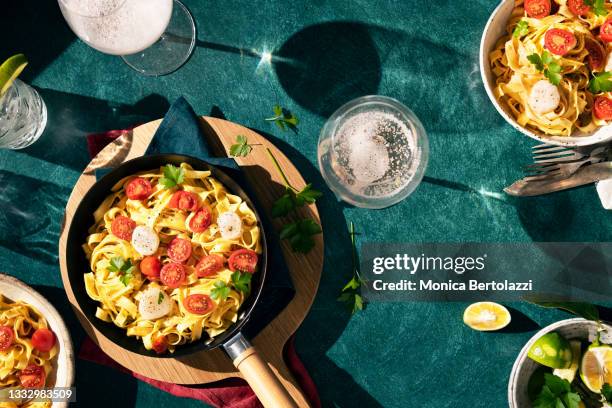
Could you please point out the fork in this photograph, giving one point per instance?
(560, 162)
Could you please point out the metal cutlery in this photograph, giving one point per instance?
(560, 162)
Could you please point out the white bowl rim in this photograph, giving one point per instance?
(569, 141)
(520, 358)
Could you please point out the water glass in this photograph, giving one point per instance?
(23, 116)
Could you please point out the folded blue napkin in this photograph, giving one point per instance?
(180, 133)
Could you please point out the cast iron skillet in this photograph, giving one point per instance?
(270, 391)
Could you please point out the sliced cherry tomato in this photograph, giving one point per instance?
(605, 31)
(537, 8)
(577, 7)
(184, 200)
(122, 227)
(243, 260)
(200, 220)
(33, 376)
(172, 275)
(138, 189)
(597, 54)
(150, 266)
(209, 265)
(179, 250)
(160, 344)
(559, 41)
(603, 108)
(7, 336)
(198, 304)
(43, 339)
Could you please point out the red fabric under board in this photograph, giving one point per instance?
(229, 393)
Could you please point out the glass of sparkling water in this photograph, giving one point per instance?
(373, 152)
(23, 116)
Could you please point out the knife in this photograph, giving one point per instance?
(586, 175)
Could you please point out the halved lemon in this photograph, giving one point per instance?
(551, 350)
(596, 367)
(486, 316)
(10, 69)
(570, 373)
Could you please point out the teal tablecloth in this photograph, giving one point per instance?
(424, 53)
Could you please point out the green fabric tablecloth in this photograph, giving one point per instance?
(424, 53)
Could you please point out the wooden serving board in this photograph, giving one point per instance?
(305, 270)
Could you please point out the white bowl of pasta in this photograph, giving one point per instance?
(35, 348)
(548, 97)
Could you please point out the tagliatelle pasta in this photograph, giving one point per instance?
(165, 263)
(564, 39)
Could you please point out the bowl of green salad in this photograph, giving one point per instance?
(565, 365)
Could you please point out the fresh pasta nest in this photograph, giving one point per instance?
(552, 69)
(171, 253)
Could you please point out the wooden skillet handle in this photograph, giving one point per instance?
(258, 374)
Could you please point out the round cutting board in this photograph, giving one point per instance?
(305, 270)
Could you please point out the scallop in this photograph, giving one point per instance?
(230, 225)
(145, 240)
(544, 97)
(154, 303)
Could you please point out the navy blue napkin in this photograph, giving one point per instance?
(180, 133)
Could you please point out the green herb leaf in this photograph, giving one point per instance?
(547, 64)
(556, 393)
(221, 291)
(547, 58)
(300, 233)
(307, 195)
(173, 176)
(598, 6)
(521, 29)
(606, 391)
(284, 205)
(353, 284)
(536, 60)
(553, 77)
(241, 148)
(349, 293)
(353, 301)
(116, 263)
(292, 200)
(283, 118)
(601, 82)
(160, 298)
(123, 268)
(242, 281)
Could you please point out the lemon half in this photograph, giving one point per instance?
(486, 316)
(596, 367)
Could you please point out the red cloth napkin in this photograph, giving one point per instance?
(229, 393)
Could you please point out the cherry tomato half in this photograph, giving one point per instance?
(209, 265)
(537, 8)
(150, 266)
(122, 227)
(605, 31)
(198, 304)
(43, 339)
(33, 376)
(602, 108)
(243, 260)
(597, 55)
(577, 7)
(172, 275)
(138, 189)
(179, 250)
(200, 220)
(160, 344)
(559, 41)
(184, 200)
(7, 336)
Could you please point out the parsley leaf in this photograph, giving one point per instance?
(284, 119)
(349, 294)
(556, 393)
(284, 205)
(299, 234)
(606, 391)
(123, 268)
(160, 298)
(353, 301)
(601, 82)
(598, 6)
(536, 60)
(241, 147)
(521, 29)
(242, 281)
(545, 63)
(221, 291)
(292, 200)
(173, 176)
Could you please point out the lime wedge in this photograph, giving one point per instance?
(10, 69)
(570, 373)
(552, 350)
(596, 367)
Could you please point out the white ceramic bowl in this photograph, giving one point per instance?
(524, 367)
(63, 374)
(495, 29)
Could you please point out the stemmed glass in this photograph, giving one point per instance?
(154, 37)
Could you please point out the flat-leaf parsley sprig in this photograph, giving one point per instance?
(122, 267)
(350, 292)
(521, 29)
(601, 82)
(599, 6)
(241, 148)
(173, 176)
(546, 63)
(284, 118)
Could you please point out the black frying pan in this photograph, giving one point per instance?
(255, 370)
